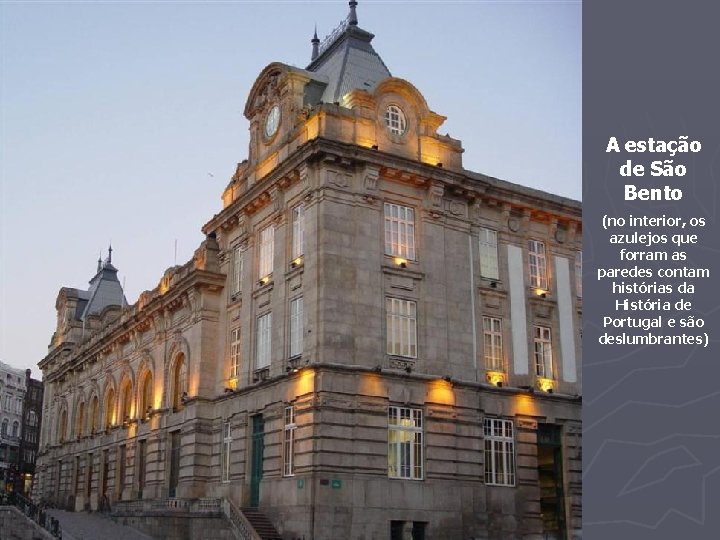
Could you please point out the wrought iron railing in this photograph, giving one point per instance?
(36, 513)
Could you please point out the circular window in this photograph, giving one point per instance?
(272, 121)
(395, 120)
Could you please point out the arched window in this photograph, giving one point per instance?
(110, 408)
(62, 428)
(179, 375)
(126, 401)
(146, 394)
(4, 428)
(80, 422)
(93, 415)
(16, 429)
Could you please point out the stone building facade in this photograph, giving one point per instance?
(30, 431)
(371, 342)
(12, 397)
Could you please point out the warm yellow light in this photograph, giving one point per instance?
(541, 292)
(297, 261)
(441, 391)
(401, 262)
(496, 378)
(265, 280)
(546, 385)
(305, 382)
(233, 383)
(371, 385)
(525, 405)
(312, 127)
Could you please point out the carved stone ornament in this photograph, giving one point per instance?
(457, 208)
(371, 178)
(338, 179)
(435, 194)
(514, 224)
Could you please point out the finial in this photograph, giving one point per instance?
(352, 17)
(315, 45)
(109, 260)
(99, 261)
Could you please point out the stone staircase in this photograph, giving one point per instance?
(262, 525)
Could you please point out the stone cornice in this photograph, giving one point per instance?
(136, 318)
(467, 185)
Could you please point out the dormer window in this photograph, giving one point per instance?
(395, 120)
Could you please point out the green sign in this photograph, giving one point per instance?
(301, 483)
(336, 484)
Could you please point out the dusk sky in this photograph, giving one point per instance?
(122, 121)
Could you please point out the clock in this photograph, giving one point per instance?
(272, 121)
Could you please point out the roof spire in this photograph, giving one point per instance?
(99, 267)
(352, 16)
(315, 45)
(109, 259)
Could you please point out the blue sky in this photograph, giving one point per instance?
(122, 121)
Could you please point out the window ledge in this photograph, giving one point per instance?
(402, 272)
(261, 374)
(401, 362)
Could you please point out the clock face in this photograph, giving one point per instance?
(272, 121)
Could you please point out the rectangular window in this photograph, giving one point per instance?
(298, 231)
(399, 231)
(296, 327)
(578, 274)
(489, 254)
(492, 336)
(236, 271)
(499, 452)
(537, 264)
(405, 443)
(267, 242)
(289, 442)
(227, 443)
(235, 353)
(401, 327)
(18, 405)
(264, 327)
(543, 352)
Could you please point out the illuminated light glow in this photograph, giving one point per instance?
(546, 385)
(540, 292)
(441, 391)
(227, 198)
(366, 143)
(233, 383)
(305, 382)
(193, 384)
(371, 384)
(401, 262)
(267, 165)
(525, 405)
(312, 127)
(265, 279)
(495, 377)
(297, 261)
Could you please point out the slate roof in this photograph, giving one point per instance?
(105, 290)
(349, 61)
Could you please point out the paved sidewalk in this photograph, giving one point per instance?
(92, 526)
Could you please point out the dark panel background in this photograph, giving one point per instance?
(651, 458)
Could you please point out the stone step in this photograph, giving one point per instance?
(262, 525)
